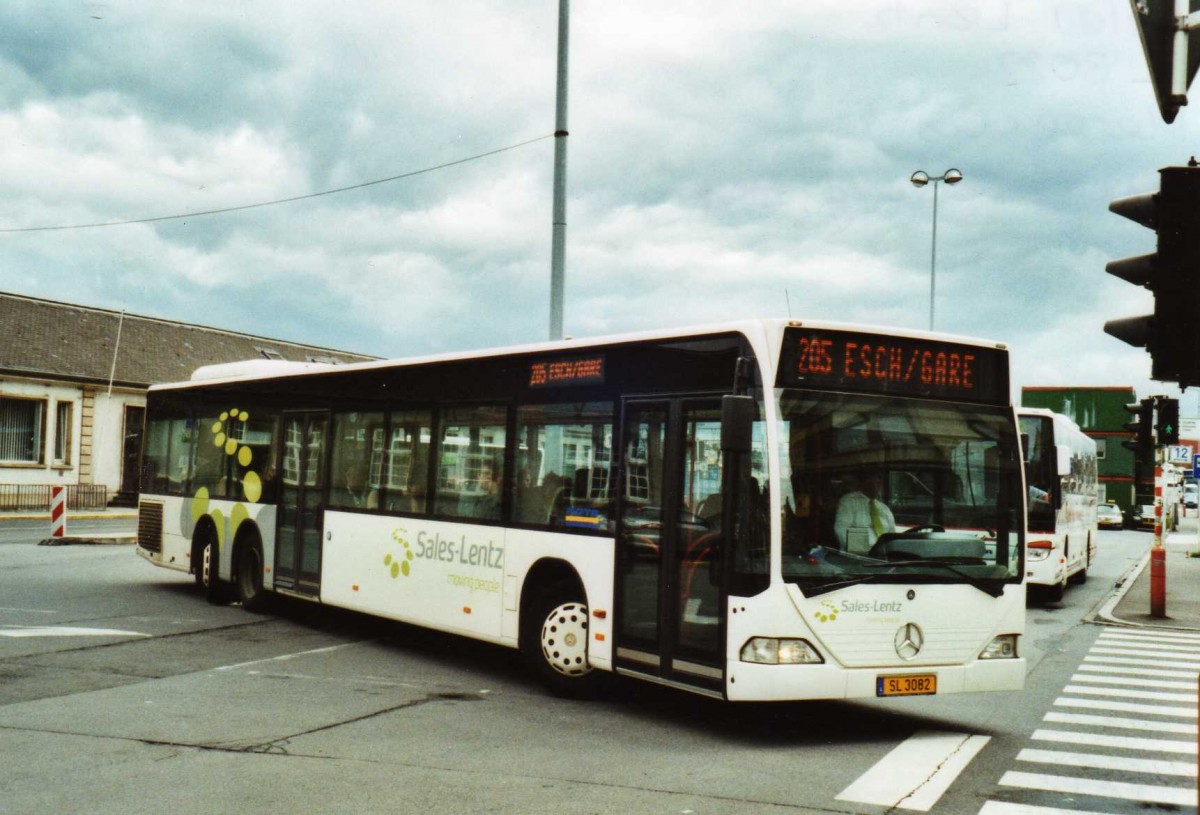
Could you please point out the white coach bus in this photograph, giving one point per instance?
(685, 507)
(1061, 476)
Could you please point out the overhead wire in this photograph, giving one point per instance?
(294, 198)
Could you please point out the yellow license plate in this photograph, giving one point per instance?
(911, 685)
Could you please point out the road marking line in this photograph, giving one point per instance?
(1137, 682)
(1125, 707)
(28, 610)
(1143, 793)
(1157, 644)
(1178, 636)
(1122, 723)
(1149, 663)
(1133, 693)
(1007, 808)
(1119, 742)
(917, 772)
(285, 657)
(1096, 667)
(1185, 769)
(1145, 652)
(66, 631)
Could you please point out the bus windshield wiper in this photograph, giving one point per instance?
(989, 588)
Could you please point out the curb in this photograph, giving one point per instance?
(76, 516)
(89, 540)
(1122, 588)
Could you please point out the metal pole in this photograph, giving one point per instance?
(933, 256)
(558, 243)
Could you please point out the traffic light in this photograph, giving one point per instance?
(1167, 424)
(1141, 427)
(1172, 274)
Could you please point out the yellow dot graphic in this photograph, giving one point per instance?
(230, 447)
(244, 456)
(252, 485)
(396, 569)
(200, 504)
(222, 417)
(387, 559)
(216, 427)
(243, 415)
(404, 568)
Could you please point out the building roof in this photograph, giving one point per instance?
(51, 340)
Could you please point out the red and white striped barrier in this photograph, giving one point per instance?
(58, 512)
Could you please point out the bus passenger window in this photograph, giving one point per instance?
(356, 465)
(406, 476)
(563, 466)
(470, 463)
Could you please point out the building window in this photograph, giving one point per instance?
(1100, 446)
(22, 428)
(63, 431)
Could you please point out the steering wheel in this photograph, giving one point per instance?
(879, 550)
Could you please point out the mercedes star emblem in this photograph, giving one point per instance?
(909, 640)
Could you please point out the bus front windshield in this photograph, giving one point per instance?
(888, 489)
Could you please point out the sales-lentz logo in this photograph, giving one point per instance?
(398, 564)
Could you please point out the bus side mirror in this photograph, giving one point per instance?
(737, 423)
(1064, 459)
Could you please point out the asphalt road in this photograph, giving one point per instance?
(123, 691)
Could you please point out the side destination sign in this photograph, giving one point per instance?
(903, 366)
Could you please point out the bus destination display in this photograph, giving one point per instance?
(560, 373)
(855, 361)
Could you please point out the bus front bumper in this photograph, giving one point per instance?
(777, 683)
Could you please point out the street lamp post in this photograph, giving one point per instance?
(919, 179)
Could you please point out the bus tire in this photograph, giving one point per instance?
(555, 641)
(1055, 593)
(248, 581)
(208, 572)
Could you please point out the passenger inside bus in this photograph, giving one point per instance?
(862, 516)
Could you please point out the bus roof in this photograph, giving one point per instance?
(767, 328)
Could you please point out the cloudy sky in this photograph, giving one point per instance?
(725, 160)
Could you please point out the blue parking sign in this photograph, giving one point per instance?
(1196, 466)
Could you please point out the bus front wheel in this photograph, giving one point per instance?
(249, 580)
(207, 574)
(555, 642)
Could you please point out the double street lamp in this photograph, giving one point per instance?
(919, 179)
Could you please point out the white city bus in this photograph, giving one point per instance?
(660, 505)
(1061, 475)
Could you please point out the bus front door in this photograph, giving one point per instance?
(670, 619)
(301, 503)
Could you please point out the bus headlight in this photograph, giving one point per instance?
(1038, 550)
(1003, 647)
(774, 651)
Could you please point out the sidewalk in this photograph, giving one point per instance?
(125, 514)
(1130, 604)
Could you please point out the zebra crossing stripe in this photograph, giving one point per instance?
(917, 772)
(1145, 793)
(1132, 693)
(1126, 707)
(1116, 670)
(1145, 652)
(1149, 663)
(1137, 682)
(1119, 742)
(1179, 636)
(1122, 723)
(1104, 762)
(1008, 808)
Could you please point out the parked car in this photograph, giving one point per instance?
(1190, 492)
(1140, 517)
(1108, 516)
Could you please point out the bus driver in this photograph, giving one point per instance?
(862, 516)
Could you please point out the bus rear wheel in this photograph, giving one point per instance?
(555, 642)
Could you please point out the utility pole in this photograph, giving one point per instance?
(558, 246)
